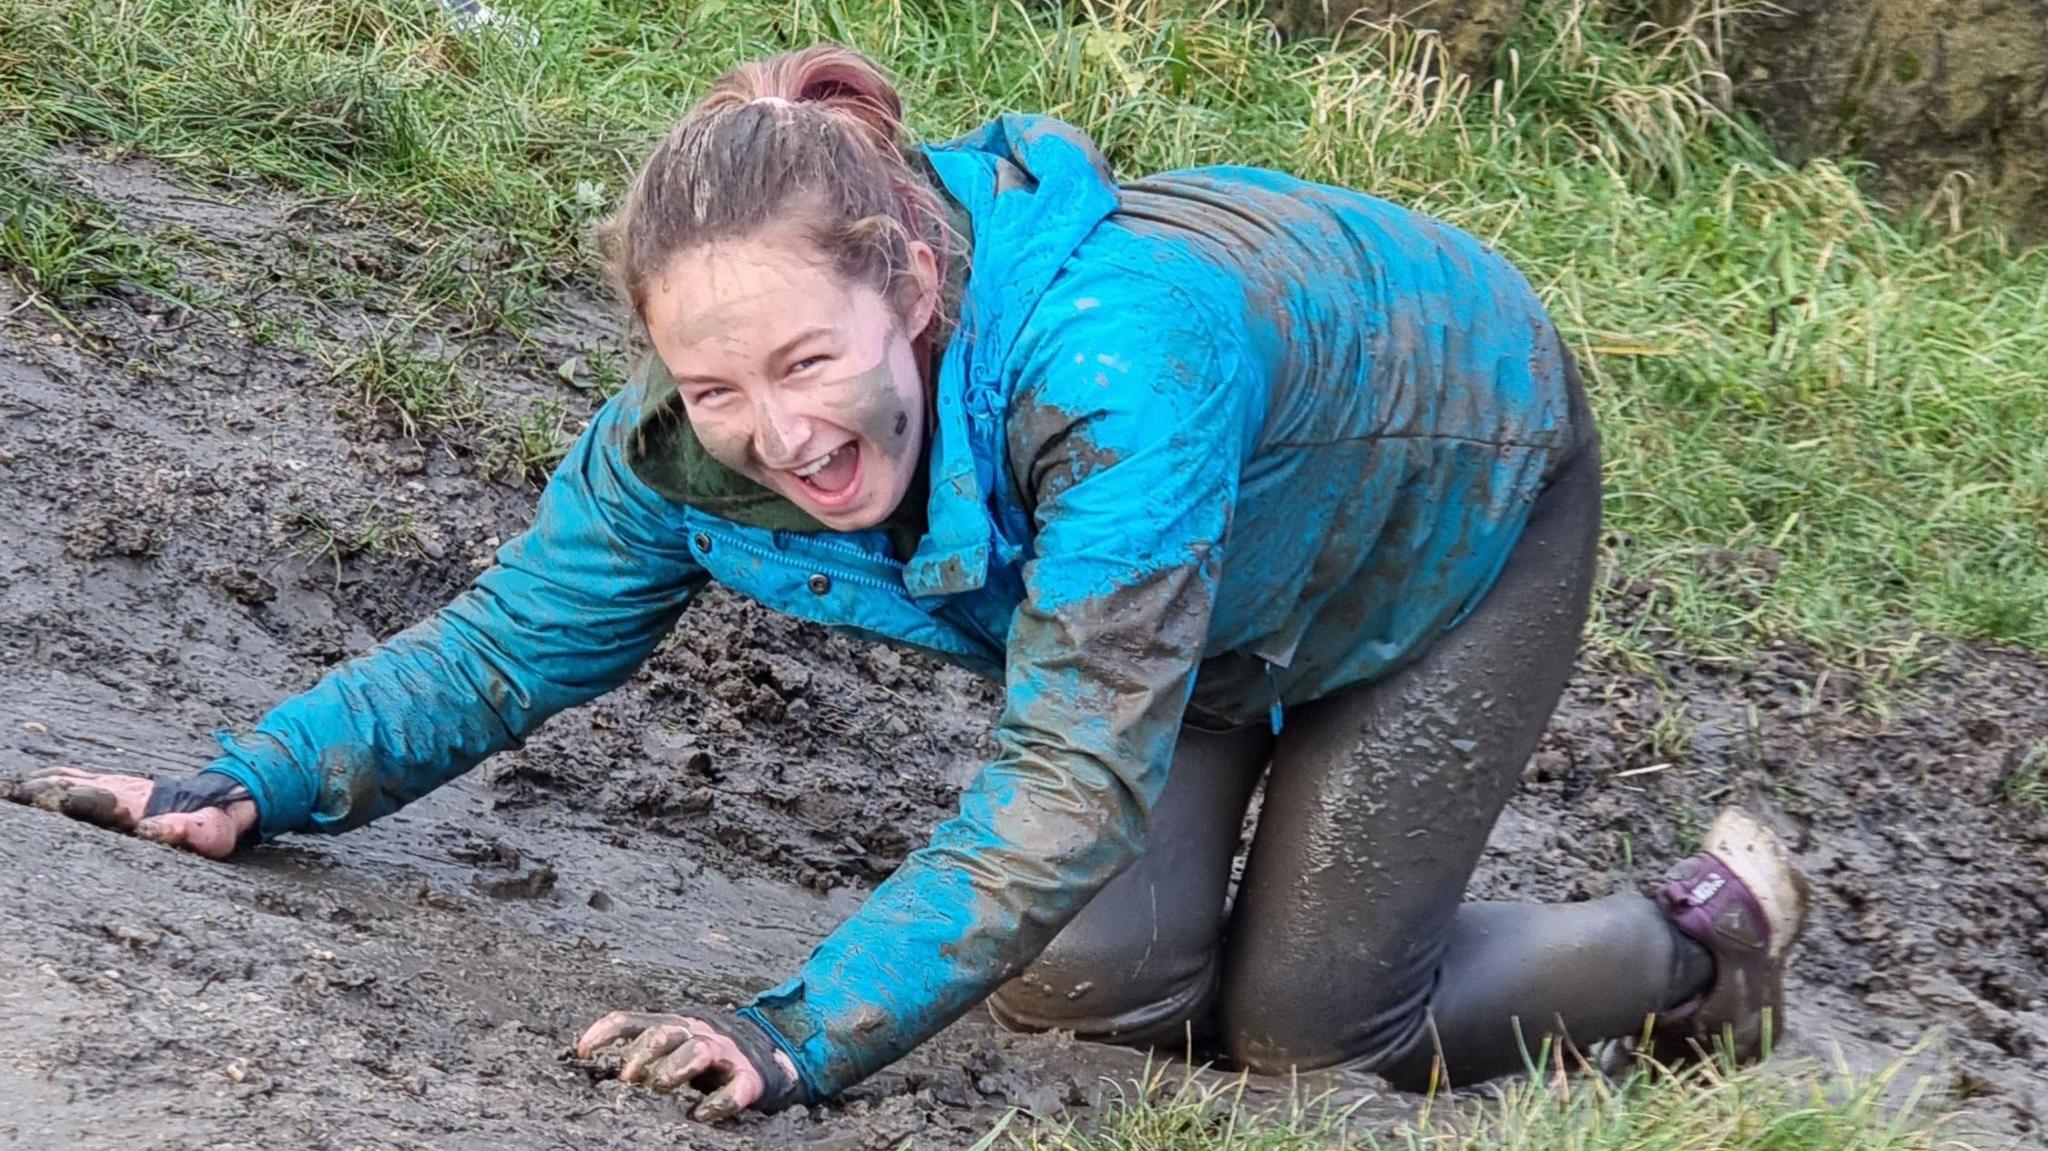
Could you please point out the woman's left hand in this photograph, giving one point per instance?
(730, 1060)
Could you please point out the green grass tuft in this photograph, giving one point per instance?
(62, 247)
(320, 538)
(527, 446)
(2024, 786)
(1701, 1109)
(422, 394)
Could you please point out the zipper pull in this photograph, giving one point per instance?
(1273, 685)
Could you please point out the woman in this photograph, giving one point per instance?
(1213, 470)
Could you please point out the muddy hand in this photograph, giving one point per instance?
(207, 814)
(730, 1060)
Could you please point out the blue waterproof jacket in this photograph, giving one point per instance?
(1205, 445)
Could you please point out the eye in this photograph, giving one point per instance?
(711, 395)
(805, 364)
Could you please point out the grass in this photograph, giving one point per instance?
(320, 538)
(390, 378)
(1704, 1109)
(2024, 786)
(1822, 421)
(61, 246)
(384, 375)
(527, 446)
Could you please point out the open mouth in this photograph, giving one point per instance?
(832, 478)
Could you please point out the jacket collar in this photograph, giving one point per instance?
(1033, 188)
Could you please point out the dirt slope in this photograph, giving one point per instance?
(415, 984)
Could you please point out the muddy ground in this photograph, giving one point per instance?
(163, 472)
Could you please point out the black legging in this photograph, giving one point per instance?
(1350, 942)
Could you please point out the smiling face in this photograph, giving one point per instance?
(794, 377)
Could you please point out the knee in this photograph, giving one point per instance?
(1110, 995)
(1273, 1022)
(1263, 1026)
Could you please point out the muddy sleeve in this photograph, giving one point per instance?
(569, 609)
(1133, 468)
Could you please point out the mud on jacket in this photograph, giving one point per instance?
(1205, 445)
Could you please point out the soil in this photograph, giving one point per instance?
(685, 840)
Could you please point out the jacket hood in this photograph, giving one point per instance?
(1034, 187)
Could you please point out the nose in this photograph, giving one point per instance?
(780, 434)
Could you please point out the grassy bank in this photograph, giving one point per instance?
(1705, 1109)
(1821, 423)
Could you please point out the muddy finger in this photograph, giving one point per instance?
(680, 1066)
(93, 805)
(170, 833)
(653, 1043)
(723, 1103)
(45, 789)
(211, 832)
(71, 796)
(67, 795)
(612, 1028)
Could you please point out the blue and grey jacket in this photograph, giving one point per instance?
(1205, 445)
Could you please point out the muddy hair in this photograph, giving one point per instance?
(813, 137)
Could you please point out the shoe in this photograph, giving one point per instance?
(1743, 900)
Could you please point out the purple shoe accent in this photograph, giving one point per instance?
(1707, 899)
(1709, 903)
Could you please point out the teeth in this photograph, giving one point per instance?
(818, 465)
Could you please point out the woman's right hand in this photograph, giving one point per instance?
(182, 818)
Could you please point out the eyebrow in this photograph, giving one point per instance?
(778, 354)
(794, 341)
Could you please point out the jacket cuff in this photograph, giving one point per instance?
(805, 1090)
(281, 790)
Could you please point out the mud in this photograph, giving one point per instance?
(417, 983)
